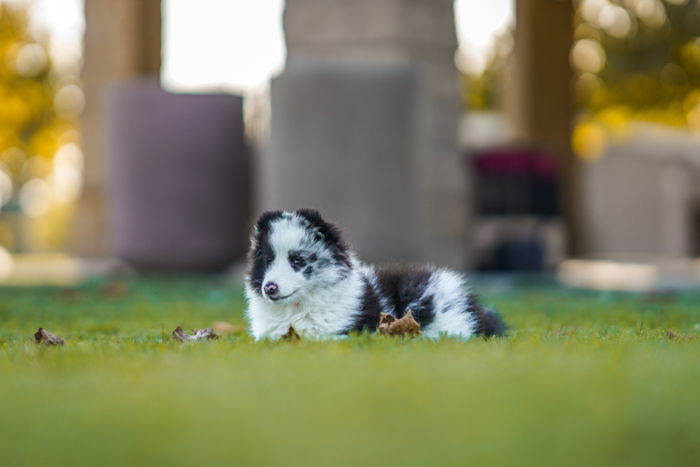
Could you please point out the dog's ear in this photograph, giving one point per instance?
(262, 226)
(325, 231)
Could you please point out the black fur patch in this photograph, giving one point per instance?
(370, 310)
(261, 253)
(403, 287)
(330, 234)
(307, 271)
(296, 260)
(262, 226)
(490, 322)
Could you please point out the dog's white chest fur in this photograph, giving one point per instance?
(322, 314)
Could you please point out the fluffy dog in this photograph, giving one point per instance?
(302, 274)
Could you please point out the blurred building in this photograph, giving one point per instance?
(364, 118)
(365, 125)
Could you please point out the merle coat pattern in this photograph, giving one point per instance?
(302, 274)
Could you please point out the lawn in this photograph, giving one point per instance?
(583, 378)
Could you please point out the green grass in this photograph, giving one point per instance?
(583, 379)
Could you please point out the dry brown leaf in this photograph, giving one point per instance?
(676, 335)
(292, 335)
(46, 338)
(390, 326)
(197, 335)
(68, 295)
(222, 328)
(385, 320)
(114, 290)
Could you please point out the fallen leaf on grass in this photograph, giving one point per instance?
(46, 338)
(390, 326)
(676, 335)
(68, 295)
(197, 335)
(114, 290)
(222, 328)
(385, 320)
(292, 335)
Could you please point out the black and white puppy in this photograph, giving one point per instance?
(301, 274)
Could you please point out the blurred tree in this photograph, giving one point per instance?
(635, 59)
(37, 117)
(648, 59)
(481, 91)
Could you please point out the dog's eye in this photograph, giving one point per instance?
(297, 261)
(268, 261)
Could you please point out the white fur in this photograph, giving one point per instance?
(449, 302)
(322, 306)
(323, 314)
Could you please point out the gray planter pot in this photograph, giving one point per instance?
(179, 178)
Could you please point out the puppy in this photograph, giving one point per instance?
(302, 274)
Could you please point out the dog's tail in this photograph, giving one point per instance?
(490, 322)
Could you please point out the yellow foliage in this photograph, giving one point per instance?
(615, 120)
(589, 140)
(30, 129)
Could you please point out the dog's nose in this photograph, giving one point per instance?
(271, 289)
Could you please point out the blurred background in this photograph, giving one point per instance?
(505, 136)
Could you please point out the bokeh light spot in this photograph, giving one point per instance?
(67, 173)
(31, 60)
(35, 197)
(5, 187)
(69, 101)
(588, 55)
(616, 21)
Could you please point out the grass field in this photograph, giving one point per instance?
(583, 379)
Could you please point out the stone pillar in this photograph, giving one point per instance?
(122, 40)
(540, 103)
(357, 36)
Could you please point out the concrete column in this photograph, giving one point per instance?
(541, 105)
(122, 40)
(359, 35)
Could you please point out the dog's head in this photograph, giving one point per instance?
(293, 254)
